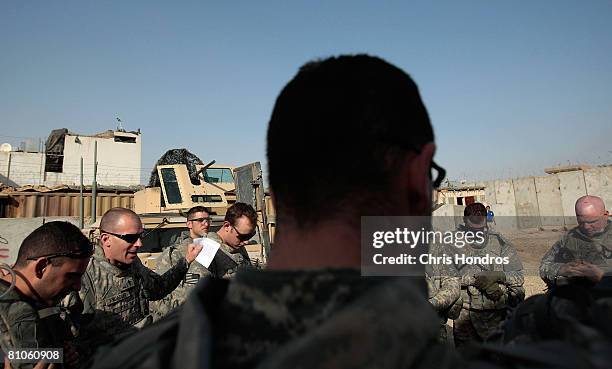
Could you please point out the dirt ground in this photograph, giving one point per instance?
(531, 245)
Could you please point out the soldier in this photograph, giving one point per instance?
(362, 133)
(489, 288)
(198, 221)
(584, 254)
(444, 290)
(50, 264)
(237, 229)
(117, 287)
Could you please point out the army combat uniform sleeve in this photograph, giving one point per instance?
(157, 286)
(21, 333)
(549, 267)
(515, 277)
(167, 260)
(447, 294)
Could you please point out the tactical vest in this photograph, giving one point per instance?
(472, 298)
(595, 250)
(49, 324)
(118, 293)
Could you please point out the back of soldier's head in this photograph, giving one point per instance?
(335, 134)
(53, 238)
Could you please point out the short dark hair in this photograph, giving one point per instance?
(197, 209)
(345, 121)
(112, 216)
(239, 210)
(52, 238)
(475, 212)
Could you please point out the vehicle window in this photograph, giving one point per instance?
(171, 186)
(218, 175)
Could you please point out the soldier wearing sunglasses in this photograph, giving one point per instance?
(237, 229)
(50, 263)
(198, 222)
(117, 287)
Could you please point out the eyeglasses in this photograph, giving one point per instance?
(128, 237)
(440, 174)
(244, 237)
(201, 220)
(75, 254)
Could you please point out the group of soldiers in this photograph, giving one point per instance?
(480, 299)
(85, 296)
(356, 124)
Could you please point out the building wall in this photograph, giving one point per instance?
(25, 168)
(119, 164)
(548, 200)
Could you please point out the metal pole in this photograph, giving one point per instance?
(94, 188)
(81, 201)
(8, 170)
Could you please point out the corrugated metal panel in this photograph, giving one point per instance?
(37, 204)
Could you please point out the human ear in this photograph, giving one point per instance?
(40, 267)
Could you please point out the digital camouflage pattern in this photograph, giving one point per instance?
(574, 246)
(292, 319)
(171, 256)
(116, 301)
(227, 261)
(28, 324)
(481, 314)
(444, 289)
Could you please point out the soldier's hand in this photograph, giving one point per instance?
(493, 292)
(192, 251)
(587, 270)
(485, 279)
(566, 269)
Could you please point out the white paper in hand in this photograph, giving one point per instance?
(209, 249)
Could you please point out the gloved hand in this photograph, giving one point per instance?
(493, 292)
(485, 279)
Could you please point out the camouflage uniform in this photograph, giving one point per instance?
(227, 261)
(169, 258)
(481, 316)
(116, 301)
(293, 319)
(28, 324)
(574, 246)
(444, 289)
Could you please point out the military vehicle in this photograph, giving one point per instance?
(162, 209)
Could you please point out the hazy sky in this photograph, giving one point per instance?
(511, 87)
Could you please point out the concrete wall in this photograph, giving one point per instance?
(572, 187)
(549, 200)
(25, 168)
(526, 202)
(447, 217)
(599, 182)
(13, 231)
(546, 201)
(119, 164)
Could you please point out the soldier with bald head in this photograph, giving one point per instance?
(584, 254)
(117, 287)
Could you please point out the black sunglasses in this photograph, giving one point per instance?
(75, 254)
(244, 237)
(441, 173)
(128, 237)
(201, 220)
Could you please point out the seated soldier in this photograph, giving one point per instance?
(584, 254)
